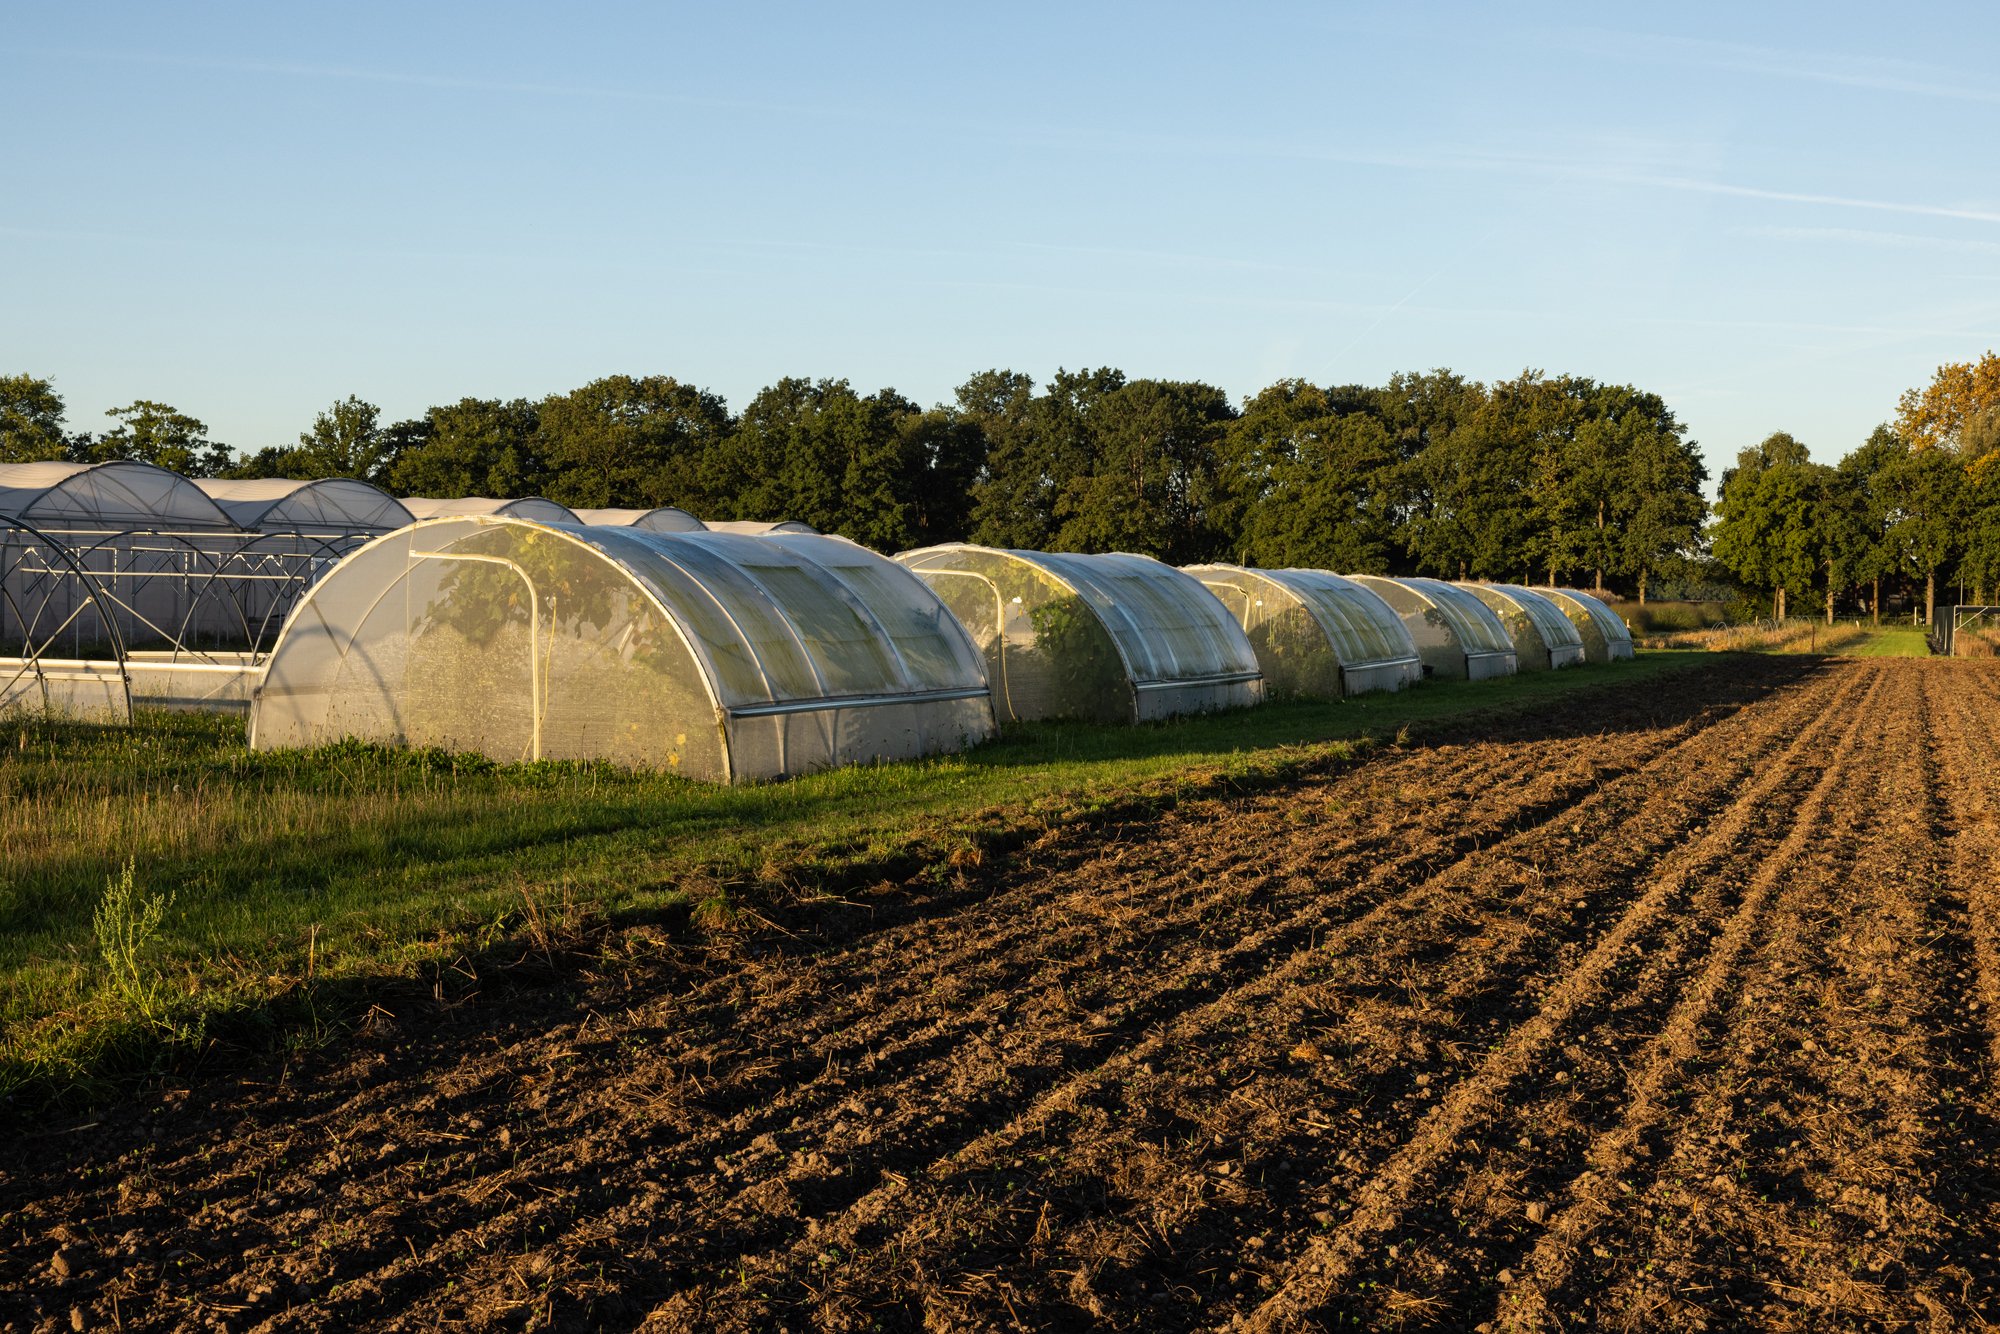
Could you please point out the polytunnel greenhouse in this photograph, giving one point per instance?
(106, 498)
(102, 558)
(528, 507)
(757, 528)
(1316, 634)
(301, 528)
(124, 582)
(1457, 636)
(665, 519)
(1543, 637)
(1112, 638)
(1603, 631)
(714, 655)
(333, 505)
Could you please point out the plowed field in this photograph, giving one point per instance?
(1674, 1009)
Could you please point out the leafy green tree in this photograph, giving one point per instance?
(1574, 482)
(819, 452)
(1418, 408)
(1617, 486)
(398, 439)
(159, 434)
(1471, 509)
(1152, 474)
(942, 457)
(1766, 532)
(625, 441)
(1661, 508)
(1423, 413)
(270, 461)
(1307, 484)
(1840, 514)
(1928, 497)
(873, 501)
(1001, 505)
(474, 447)
(1877, 555)
(345, 441)
(1980, 558)
(1038, 445)
(31, 420)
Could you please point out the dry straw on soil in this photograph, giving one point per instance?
(1763, 637)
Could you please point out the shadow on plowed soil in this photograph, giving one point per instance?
(1459, 1034)
(485, 991)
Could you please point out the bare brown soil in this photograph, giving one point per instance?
(1673, 1009)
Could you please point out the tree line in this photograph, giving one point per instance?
(1918, 502)
(1537, 478)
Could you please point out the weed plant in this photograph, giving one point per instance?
(125, 924)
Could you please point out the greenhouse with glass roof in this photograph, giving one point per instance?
(714, 655)
(1606, 638)
(1111, 638)
(1543, 637)
(1457, 636)
(1317, 635)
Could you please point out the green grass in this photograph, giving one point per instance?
(282, 876)
(1887, 641)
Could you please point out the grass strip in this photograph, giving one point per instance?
(1887, 641)
(281, 887)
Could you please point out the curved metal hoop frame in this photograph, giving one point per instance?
(34, 659)
(189, 597)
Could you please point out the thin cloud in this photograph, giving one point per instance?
(1695, 186)
(441, 82)
(1863, 236)
(1881, 75)
(1637, 163)
(1606, 163)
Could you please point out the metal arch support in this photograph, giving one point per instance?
(296, 572)
(185, 544)
(534, 630)
(216, 565)
(31, 656)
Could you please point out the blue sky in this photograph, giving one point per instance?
(1777, 217)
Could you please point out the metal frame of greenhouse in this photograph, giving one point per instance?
(123, 583)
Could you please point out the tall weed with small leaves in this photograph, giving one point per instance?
(127, 920)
